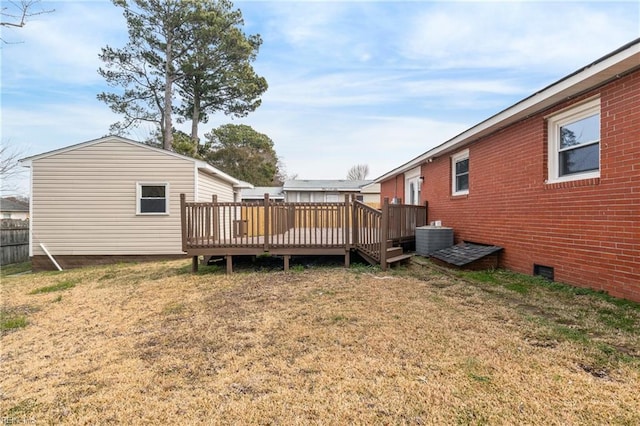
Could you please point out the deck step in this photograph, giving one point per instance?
(399, 258)
(394, 251)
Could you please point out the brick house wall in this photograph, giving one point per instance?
(587, 230)
(392, 188)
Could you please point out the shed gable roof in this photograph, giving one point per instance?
(201, 165)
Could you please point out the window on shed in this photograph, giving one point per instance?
(153, 198)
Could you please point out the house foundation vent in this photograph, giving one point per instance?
(543, 271)
(432, 238)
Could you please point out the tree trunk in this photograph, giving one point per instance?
(167, 137)
(195, 116)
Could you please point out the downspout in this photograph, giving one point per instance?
(50, 256)
(395, 191)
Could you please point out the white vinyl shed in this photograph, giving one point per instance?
(114, 199)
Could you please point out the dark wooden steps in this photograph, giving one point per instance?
(400, 258)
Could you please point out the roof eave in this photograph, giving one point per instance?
(209, 169)
(620, 62)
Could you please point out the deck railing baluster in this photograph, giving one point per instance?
(305, 226)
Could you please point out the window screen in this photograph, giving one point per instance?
(153, 199)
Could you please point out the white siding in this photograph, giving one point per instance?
(84, 200)
(371, 198)
(209, 185)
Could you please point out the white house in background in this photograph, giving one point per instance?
(13, 209)
(324, 191)
(115, 199)
(371, 194)
(257, 193)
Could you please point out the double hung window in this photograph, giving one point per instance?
(153, 198)
(574, 143)
(460, 173)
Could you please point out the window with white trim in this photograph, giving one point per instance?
(152, 198)
(574, 143)
(460, 173)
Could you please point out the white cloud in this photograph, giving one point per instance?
(514, 35)
(325, 145)
(350, 82)
(63, 47)
(52, 126)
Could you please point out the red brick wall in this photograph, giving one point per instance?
(588, 231)
(392, 188)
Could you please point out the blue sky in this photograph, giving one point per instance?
(352, 82)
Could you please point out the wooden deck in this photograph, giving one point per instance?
(289, 229)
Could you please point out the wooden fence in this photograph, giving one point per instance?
(14, 241)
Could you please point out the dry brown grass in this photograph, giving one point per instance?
(149, 343)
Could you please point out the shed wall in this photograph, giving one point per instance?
(209, 185)
(84, 201)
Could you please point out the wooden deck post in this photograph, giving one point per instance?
(348, 225)
(267, 227)
(384, 234)
(229, 264)
(286, 262)
(183, 221)
(194, 264)
(355, 224)
(426, 212)
(214, 217)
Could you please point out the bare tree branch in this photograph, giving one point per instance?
(16, 14)
(10, 170)
(358, 172)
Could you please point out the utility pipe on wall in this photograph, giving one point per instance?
(50, 256)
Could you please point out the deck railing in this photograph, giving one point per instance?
(403, 220)
(267, 225)
(367, 224)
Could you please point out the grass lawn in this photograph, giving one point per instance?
(15, 268)
(152, 343)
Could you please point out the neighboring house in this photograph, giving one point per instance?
(554, 179)
(114, 199)
(13, 209)
(371, 194)
(257, 193)
(323, 191)
(317, 191)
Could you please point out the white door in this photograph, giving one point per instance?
(412, 186)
